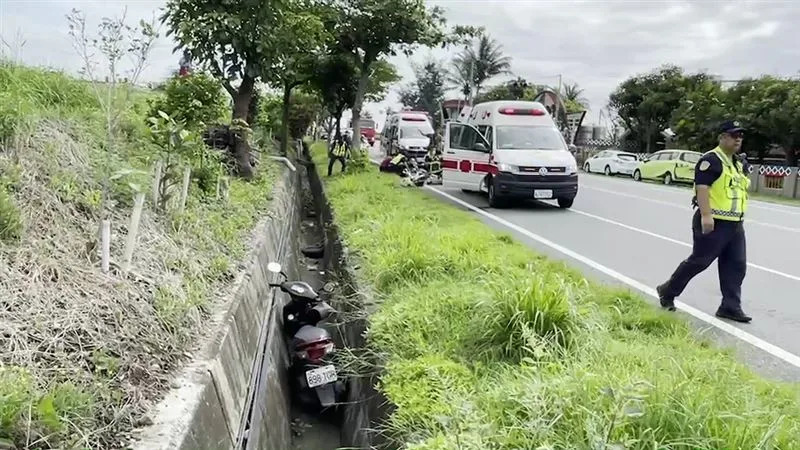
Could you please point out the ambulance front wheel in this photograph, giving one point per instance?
(565, 203)
(495, 200)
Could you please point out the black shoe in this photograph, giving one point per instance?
(666, 303)
(735, 315)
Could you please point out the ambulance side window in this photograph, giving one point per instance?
(486, 131)
(468, 137)
(455, 134)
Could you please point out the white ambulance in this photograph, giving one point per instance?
(509, 149)
(410, 131)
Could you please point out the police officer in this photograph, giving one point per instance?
(718, 233)
(338, 151)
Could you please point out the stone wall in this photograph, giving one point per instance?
(204, 410)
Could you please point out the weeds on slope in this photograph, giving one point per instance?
(487, 345)
(82, 354)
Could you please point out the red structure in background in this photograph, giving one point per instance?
(185, 65)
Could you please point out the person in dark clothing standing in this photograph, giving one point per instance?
(338, 151)
(721, 185)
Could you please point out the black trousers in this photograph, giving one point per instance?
(332, 159)
(727, 245)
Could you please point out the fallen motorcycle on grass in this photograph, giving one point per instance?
(407, 167)
(313, 375)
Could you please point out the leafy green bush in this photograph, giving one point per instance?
(303, 110)
(195, 100)
(487, 345)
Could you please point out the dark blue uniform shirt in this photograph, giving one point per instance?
(713, 169)
(707, 170)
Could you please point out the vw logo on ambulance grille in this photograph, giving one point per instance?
(543, 171)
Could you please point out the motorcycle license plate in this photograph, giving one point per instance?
(321, 375)
(543, 193)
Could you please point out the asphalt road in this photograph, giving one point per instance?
(635, 234)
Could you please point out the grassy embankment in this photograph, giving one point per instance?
(82, 354)
(487, 345)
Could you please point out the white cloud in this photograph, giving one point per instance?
(594, 43)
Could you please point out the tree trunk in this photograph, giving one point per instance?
(363, 81)
(287, 98)
(791, 154)
(241, 108)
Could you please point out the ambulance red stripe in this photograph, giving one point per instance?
(476, 166)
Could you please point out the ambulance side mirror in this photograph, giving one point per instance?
(480, 147)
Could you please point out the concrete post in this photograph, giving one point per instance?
(790, 184)
(755, 178)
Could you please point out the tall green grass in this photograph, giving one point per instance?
(490, 346)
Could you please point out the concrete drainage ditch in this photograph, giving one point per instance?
(364, 406)
(235, 395)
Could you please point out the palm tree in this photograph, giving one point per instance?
(459, 77)
(476, 65)
(575, 93)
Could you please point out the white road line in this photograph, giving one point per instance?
(772, 349)
(786, 209)
(675, 241)
(675, 205)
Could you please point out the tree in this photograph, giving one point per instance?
(237, 40)
(336, 80)
(460, 77)
(300, 43)
(480, 63)
(370, 29)
(695, 121)
(517, 89)
(770, 108)
(426, 93)
(574, 93)
(195, 100)
(645, 103)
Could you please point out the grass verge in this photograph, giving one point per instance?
(83, 355)
(487, 345)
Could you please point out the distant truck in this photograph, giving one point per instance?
(367, 129)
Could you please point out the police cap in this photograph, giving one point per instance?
(731, 126)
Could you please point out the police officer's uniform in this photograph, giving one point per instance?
(337, 152)
(728, 184)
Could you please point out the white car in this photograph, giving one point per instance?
(612, 162)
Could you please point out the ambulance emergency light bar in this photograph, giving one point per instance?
(522, 112)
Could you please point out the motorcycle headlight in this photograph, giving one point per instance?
(503, 167)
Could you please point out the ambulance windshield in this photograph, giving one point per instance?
(529, 138)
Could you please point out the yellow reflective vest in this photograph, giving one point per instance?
(728, 194)
(339, 150)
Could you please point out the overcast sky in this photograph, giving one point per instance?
(594, 43)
